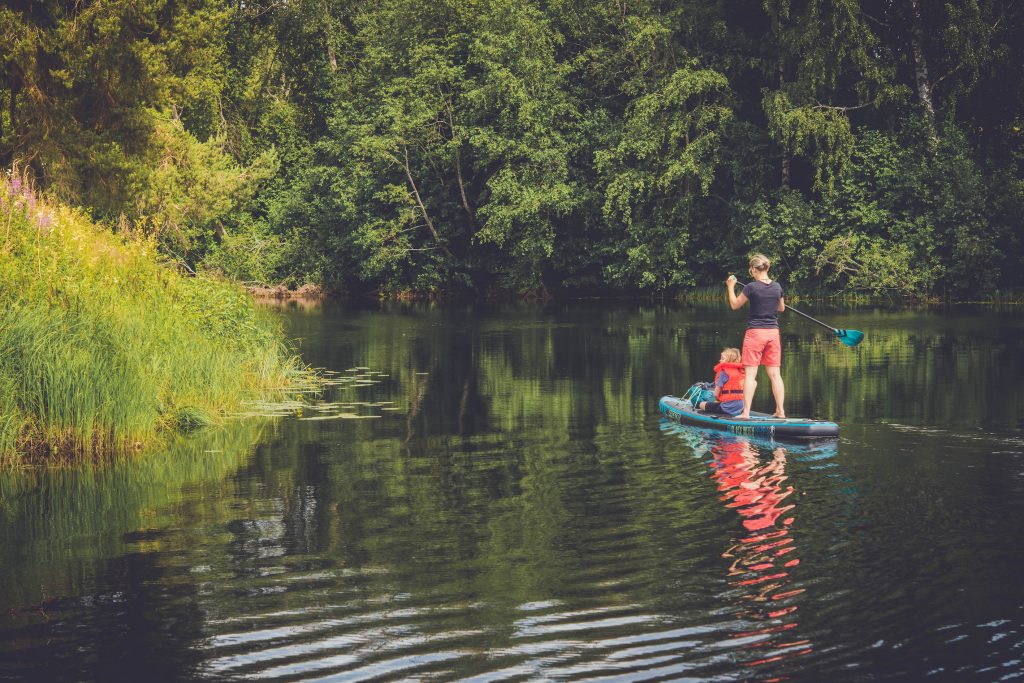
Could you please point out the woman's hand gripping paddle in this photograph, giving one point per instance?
(849, 337)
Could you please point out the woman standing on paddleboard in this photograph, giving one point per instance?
(761, 343)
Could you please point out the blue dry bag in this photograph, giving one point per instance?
(699, 392)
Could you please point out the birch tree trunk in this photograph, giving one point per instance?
(921, 79)
(458, 167)
(419, 202)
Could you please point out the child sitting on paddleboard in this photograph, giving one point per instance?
(728, 385)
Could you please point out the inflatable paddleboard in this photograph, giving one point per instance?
(759, 424)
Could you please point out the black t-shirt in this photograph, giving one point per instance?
(764, 303)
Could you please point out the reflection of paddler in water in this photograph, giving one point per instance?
(762, 559)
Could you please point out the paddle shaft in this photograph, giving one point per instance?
(813, 320)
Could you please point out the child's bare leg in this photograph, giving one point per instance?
(778, 390)
(749, 385)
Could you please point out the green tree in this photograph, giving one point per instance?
(667, 155)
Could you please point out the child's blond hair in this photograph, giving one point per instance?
(731, 355)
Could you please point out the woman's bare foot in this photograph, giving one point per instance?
(780, 415)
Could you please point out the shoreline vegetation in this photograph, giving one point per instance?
(311, 295)
(307, 292)
(713, 294)
(518, 150)
(105, 346)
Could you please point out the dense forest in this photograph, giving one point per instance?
(425, 148)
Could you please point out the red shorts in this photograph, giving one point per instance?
(762, 346)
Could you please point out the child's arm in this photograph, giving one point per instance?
(720, 381)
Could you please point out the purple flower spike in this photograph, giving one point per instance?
(15, 185)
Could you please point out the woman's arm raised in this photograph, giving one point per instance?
(735, 302)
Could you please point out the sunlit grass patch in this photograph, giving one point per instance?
(103, 345)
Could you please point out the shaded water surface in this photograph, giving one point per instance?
(492, 496)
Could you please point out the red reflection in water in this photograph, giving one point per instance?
(753, 484)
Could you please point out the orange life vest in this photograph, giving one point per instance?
(733, 389)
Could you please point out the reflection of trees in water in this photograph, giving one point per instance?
(106, 504)
(761, 560)
(511, 368)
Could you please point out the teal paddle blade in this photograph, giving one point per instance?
(850, 337)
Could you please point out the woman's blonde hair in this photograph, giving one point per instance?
(731, 355)
(760, 262)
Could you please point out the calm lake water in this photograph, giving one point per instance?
(490, 494)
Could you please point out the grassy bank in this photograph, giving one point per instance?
(103, 346)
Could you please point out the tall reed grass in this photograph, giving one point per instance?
(103, 345)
